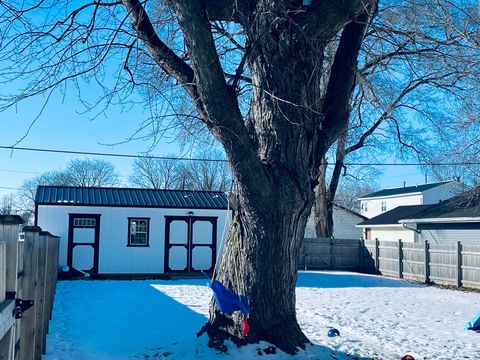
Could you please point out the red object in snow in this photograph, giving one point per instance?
(408, 357)
(245, 327)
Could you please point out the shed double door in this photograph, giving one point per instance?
(190, 243)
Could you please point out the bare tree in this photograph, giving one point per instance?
(90, 173)
(78, 172)
(206, 175)
(29, 188)
(270, 99)
(210, 173)
(411, 61)
(8, 205)
(151, 173)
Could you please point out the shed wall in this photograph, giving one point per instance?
(114, 255)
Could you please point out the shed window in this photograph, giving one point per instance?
(84, 222)
(384, 206)
(138, 229)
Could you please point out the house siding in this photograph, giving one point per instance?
(467, 233)
(392, 234)
(115, 257)
(374, 206)
(343, 225)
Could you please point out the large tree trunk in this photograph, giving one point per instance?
(295, 115)
(275, 199)
(262, 263)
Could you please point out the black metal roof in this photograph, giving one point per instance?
(128, 197)
(464, 205)
(393, 216)
(404, 190)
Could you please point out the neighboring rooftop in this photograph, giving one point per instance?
(464, 205)
(404, 190)
(349, 211)
(128, 197)
(393, 216)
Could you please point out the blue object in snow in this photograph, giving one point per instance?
(333, 332)
(474, 324)
(227, 301)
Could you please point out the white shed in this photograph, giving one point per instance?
(122, 231)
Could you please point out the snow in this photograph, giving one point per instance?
(378, 318)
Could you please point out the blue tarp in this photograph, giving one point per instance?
(474, 324)
(227, 301)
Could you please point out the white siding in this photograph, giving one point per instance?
(392, 234)
(374, 205)
(114, 255)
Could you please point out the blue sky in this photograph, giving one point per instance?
(62, 126)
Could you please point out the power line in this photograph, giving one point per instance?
(132, 156)
(8, 188)
(136, 156)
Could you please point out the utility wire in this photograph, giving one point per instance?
(136, 156)
(58, 151)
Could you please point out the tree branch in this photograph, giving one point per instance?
(227, 10)
(216, 99)
(323, 18)
(342, 78)
(161, 53)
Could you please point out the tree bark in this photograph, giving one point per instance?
(276, 151)
(323, 207)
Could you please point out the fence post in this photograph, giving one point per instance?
(400, 259)
(40, 298)
(361, 264)
(9, 227)
(459, 263)
(29, 292)
(331, 262)
(9, 234)
(426, 259)
(377, 266)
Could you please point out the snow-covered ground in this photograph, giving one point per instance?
(378, 318)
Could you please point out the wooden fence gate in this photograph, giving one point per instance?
(28, 276)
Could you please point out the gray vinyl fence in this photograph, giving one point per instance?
(453, 264)
(28, 276)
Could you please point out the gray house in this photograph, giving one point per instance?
(344, 224)
(455, 219)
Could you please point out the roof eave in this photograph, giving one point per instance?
(392, 196)
(379, 225)
(441, 220)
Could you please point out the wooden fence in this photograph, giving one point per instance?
(454, 264)
(28, 275)
(332, 254)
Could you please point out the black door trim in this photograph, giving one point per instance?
(190, 220)
(95, 244)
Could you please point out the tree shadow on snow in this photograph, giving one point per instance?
(122, 317)
(348, 280)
